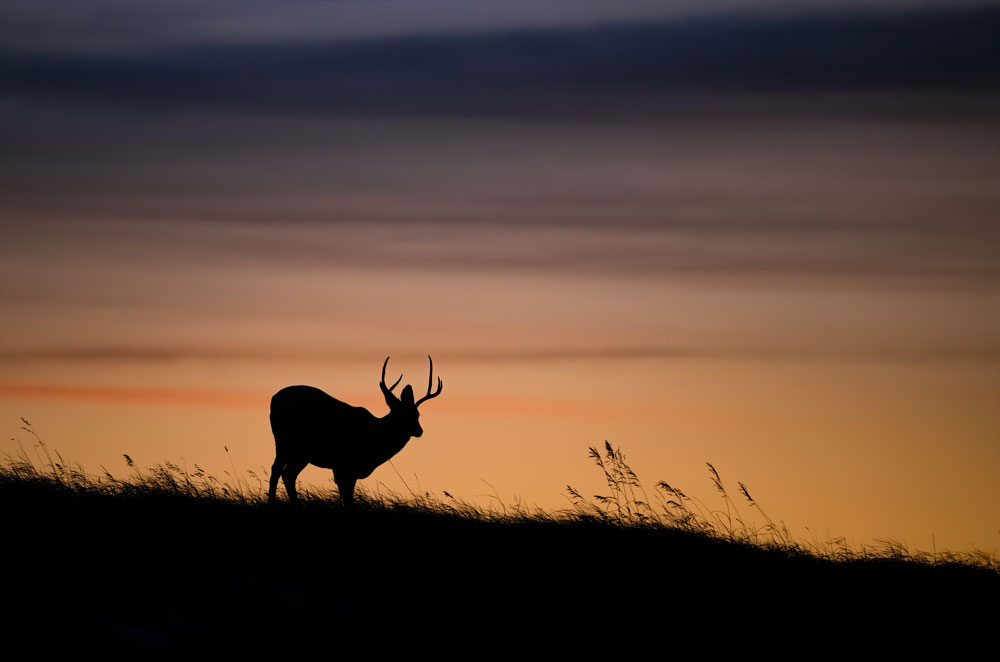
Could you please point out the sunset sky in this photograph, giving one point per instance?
(760, 234)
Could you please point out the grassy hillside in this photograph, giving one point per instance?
(171, 564)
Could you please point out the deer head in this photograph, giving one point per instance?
(403, 409)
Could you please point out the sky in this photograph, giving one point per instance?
(764, 235)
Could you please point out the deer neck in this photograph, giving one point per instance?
(393, 437)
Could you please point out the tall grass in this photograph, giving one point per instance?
(43, 467)
(626, 504)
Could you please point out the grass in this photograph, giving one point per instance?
(626, 504)
(171, 562)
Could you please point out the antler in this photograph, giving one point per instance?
(387, 392)
(430, 380)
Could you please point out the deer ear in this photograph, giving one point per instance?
(407, 395)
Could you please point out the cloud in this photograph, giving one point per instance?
(126, 26)
(621, 68)
(919, 251)
(151, 354)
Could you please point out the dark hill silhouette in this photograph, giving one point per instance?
(163, 574)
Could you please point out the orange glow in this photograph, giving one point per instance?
(154, 396)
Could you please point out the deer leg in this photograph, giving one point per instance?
(272, 488)
(346, 488)
(288, 476)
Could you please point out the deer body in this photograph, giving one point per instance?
(332, 434)
(311, 427)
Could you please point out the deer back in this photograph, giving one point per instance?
(310, 424)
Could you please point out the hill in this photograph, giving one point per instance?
(167, 565)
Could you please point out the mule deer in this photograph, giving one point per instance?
(310, 427)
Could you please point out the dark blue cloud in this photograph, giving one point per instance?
(624, 67)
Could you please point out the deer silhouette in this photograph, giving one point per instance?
(311, 427)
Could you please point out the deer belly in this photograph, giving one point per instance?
(327, 458)
(341, 461)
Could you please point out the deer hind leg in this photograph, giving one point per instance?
(289, 474)
(272, 487)
(346, 488)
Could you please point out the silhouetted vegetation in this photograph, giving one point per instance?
(170, 561)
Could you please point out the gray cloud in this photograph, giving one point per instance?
(927, 253)
(851, 200)
(623, 68)
(130, 26)
(715, 182)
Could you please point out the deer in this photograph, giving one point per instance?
(311, 427)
